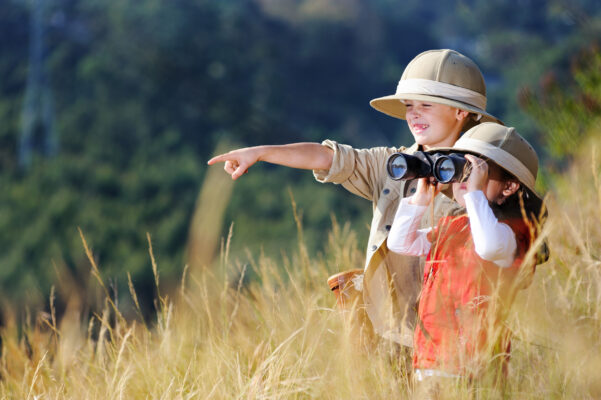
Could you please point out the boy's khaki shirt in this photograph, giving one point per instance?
(391, 282)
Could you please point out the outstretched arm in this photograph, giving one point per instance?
(294, 155)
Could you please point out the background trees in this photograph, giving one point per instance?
(142, 92)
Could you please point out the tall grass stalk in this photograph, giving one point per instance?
(279, 334)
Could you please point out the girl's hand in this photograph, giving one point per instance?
(424, 193)
(479, 174)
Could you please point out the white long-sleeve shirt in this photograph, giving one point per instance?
(493, 240)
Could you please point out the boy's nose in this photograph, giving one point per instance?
(412, 114)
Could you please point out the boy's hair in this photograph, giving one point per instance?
(471, 120)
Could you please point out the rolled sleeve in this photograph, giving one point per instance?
(360, 171)
(342, 163)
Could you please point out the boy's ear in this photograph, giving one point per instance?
(461, 114)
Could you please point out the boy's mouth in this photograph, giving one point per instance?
(418, 128)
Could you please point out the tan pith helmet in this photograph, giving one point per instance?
(505, 147)
(443, 77)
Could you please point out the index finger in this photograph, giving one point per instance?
(219, 158)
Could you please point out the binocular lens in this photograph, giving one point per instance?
(446, 170)
(397, 167)
(403, 166)
(450, 168)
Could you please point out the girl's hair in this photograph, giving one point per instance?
(522, 203)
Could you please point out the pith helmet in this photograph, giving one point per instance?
(505, 147)
(439, 76)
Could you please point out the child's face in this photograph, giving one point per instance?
(492, 190)
(434, 125)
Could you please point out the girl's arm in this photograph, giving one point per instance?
(494, 241)
(405, 237)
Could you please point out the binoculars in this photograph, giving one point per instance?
(445, 168)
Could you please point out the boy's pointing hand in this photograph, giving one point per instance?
(237, 162)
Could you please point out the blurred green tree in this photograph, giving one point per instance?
(568, 111)
(143, 91)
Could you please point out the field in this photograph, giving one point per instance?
(220, 335)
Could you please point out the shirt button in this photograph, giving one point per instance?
(374, 248)
(386, 191)
(387, 227)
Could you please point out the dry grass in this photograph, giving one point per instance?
(280, 336)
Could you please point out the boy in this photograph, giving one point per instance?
(441, 94)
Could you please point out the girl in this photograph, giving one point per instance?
(475, 262)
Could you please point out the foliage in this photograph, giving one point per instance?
(517, 44)
(143, 91)
(568, 115)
